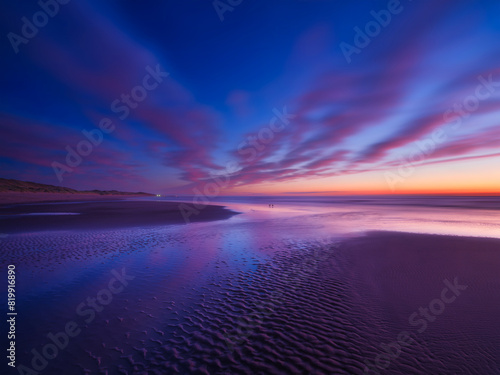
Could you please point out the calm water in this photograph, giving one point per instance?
(463, 216)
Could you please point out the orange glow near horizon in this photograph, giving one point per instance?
(472, 177)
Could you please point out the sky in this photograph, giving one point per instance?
(241, 97)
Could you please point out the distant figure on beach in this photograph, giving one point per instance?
(272, 205)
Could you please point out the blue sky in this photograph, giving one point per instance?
(356, 120)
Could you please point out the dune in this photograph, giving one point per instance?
(16, 191)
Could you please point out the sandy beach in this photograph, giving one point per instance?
(86, 215)
(274, 291)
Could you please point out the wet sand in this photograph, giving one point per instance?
(333, 308)
(260, 295)
(110, 214)
(394, 275)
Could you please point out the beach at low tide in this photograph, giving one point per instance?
(347, 287)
